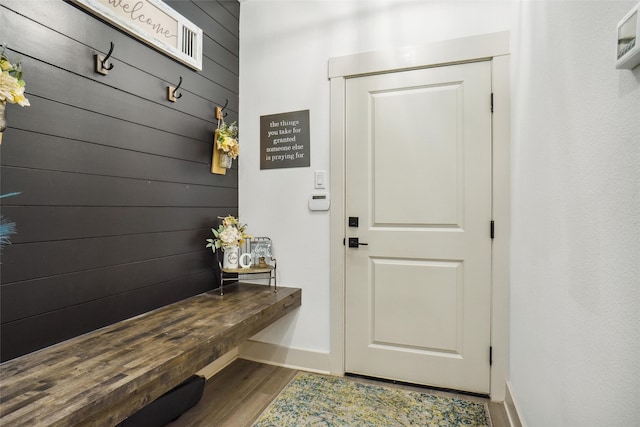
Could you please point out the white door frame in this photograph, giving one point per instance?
(494, 47)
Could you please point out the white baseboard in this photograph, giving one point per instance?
(219, 364)
(511, 406)
(274, 354)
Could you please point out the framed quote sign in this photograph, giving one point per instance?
(284, 140)
(154, 23)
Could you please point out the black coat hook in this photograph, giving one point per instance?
(106, 59)
(226, 102)
(178, 96)
(219, 110)
(102, 62)
(171, 92)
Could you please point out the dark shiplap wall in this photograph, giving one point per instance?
(117, 195)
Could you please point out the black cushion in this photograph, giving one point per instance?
(169, 406)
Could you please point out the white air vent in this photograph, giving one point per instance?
(189, 39)
(190, 43)
(154, 23)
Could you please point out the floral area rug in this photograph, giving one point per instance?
(318, 400)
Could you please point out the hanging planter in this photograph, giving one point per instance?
(225, 145)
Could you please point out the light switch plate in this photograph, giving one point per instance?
(320, 180)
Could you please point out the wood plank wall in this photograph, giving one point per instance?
(117, 197)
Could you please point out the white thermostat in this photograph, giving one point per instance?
(628, 51)
(319, 202)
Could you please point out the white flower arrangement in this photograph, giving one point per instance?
(229, 234)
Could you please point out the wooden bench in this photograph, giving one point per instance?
(104, 376)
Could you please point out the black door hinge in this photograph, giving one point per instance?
(492, 102)
(344, 242)
(490, 355)
(493, 229)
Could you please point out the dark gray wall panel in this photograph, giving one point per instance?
(46, 152)
(19, 338)
(41, 187)
(71, 122)
(48, 223)
(220, 14)
(232, 6)
(103, 99)
(116, 195)
(66, 290)
(63, 256)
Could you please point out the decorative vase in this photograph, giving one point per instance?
(230, 257)
(224, 160)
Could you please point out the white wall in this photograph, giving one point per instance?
(575, 302)
(284, 50)
(575, 281)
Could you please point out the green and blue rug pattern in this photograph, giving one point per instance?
(319, 400)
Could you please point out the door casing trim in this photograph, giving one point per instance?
(493, 47)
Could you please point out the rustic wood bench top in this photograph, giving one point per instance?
(104, 376)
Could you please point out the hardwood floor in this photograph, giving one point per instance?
(238, 394)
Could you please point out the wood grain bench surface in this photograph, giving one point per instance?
(102, 377)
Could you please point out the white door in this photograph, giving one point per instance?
(418, 178)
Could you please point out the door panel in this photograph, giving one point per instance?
(426, 295)
(418, 175)
(421, 148)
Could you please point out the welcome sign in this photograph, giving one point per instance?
(154, 23)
